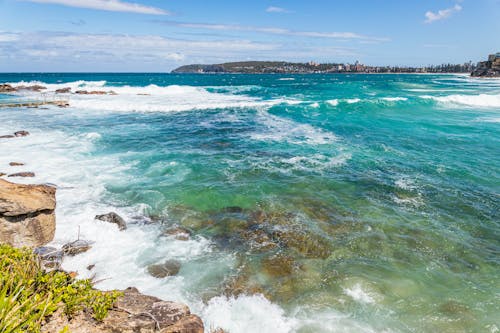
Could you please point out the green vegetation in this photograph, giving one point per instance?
(28, 294)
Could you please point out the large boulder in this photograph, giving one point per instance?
(27, 215)
(133, 313)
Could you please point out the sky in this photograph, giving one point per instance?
(160, 35)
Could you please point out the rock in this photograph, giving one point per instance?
(27, 215)
(35, 87)
(90, 267)
(63, 90)
(16, 164)
(7, 136)
(6, 88)
(21, 133)
(133, 313)
(97, 92)
(76, 247)
(22, 174)
(178, 233)
(50, 257)
(2, 174)
(81, 92)
(168, 268)
(278, 265)
(111, 92)
(113, 218)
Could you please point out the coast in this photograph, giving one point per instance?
(28, 220)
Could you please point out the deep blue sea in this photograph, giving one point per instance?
(315, 203)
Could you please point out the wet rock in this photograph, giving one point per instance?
(22, 174)
(81, 92)
(7, 136)
(16, 164)
(27, 214)
(278, 265)
(6, 88)
(97, 92)
(50, 257)
(178, 233)
(76, 247)
(90, 267)
(2, 174)
(113, 218)
(111, 92)
(35, 87)
(307, 244)
(21, 133)
(168, 268)
(63, 90)
(258, 240)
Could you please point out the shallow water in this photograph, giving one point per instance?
(317, 203)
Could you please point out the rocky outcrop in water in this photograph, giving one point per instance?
(22, 174)
(27, 215)
(6, 88)
(113, 218)
(132, 313)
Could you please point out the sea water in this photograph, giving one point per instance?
(317, 203)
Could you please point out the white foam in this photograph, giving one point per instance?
(333, 102)
(394, 99)
(352, 100)
(358, 294)
(405, 183)
(481, 100)
(286, 79)
(282, 129)
(314, 105)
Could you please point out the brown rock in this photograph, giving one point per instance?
(178, 233)
(168, 268)
(133, 313)
(76, 247)
(6, 88)
(113, 218)
(7, 136)
(27, 214)
(81, 92)
(35, 87)
(2, 174)
(22, 174)
(97, 92)
(63, 90)
(21, 133)
(16, 163)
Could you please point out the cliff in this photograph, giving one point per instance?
(488, 68)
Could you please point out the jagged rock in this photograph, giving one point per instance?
(27, 214)
(63, 90)
(16, 164)
(113, 218)
(6, 88)
(50, 257)
(133, 313)
(35, 87)
(76, 247)
(22, 174)
(168, 268)
(178, 233)
(21, 133)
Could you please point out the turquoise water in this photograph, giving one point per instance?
(328, 203)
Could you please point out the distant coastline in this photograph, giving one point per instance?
(281, 67)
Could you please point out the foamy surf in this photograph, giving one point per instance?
(481, 100)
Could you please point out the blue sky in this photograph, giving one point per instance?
(159, 35)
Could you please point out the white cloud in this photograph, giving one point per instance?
(275, 31)
(108, 5)
(441, 14)
(273, 9)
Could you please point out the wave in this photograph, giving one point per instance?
(148, 98)
(394, 99)
(481, 100)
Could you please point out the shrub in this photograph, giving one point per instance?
(28, 294)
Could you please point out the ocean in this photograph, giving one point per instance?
(315, 203)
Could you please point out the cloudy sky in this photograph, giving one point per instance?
(159, 35)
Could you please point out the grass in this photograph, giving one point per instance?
(28, 294)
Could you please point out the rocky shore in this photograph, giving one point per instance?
(28, 219)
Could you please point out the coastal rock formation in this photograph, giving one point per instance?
(113, 218)
(16, 163)
(76, 247)
(27, 214)
(35, 87)
(21, 133)
(133, 313)
(22, 174)
(63, 90)
(6, 88)
(488, 68)
(168, 268)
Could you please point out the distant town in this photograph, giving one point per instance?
(491, 67)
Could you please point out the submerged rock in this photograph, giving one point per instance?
(168, 268)
(113, 218)
(22, 174)
(76, 247)
(178, 233)
(27, 215)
